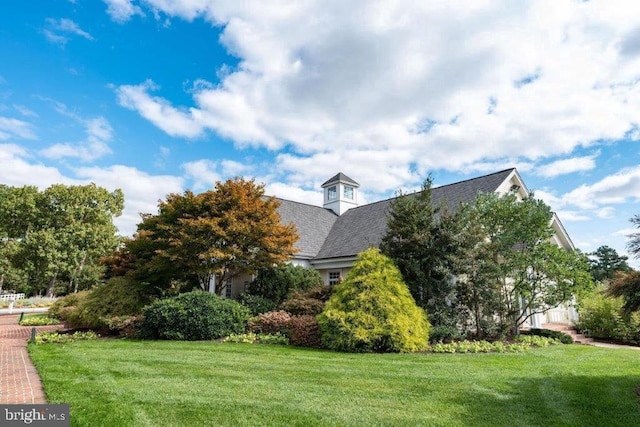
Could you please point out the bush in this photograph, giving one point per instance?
(560, 336)
(58, 338)
(536, 341)
(252, 338)
(91, 309)
(444, 334)
(257, 304)
(310, 301)
(479, 347)
(372, 310)
(273, 322)
(275, 283)
(42, 320)
(125, 326)
(193, 316)
(303, 331)
(603, 317)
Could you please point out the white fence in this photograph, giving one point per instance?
(11, 297)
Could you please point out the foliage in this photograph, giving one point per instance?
(479, 347)
(301, 330)
(421, 240)
(549, 333)
(40, 320)
(276, 283)
(634, 239)
(57, 235)
(273, 322)
(605, 262)
(221, 233)
(538, 340)
(92, 309)
(256, 303)
(252, 338)
(372, 310)
(604, 317)
(193, 316)
(627, 286)
(60, 338)
(125, 326)
(532, 274)
(444, 334)
(310, 301)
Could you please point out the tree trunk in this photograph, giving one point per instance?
(52, 283)
(1, 282)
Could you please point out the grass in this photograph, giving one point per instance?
(137, 383)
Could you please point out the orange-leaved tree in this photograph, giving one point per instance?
(223, 232)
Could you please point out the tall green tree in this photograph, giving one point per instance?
(532, 273)
(59, 232)
(221, 233)
(422, 239)
(605, 262)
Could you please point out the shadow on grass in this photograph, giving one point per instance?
(554, 401)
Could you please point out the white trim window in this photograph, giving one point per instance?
(332, 193)
(348, 192)
(334, 278)
(228, 289)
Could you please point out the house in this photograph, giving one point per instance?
(332, 236)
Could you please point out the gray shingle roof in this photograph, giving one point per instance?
(340, 177)
(312, 222)
(363, 227)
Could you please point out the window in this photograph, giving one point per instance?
(334, 278)
(332, 193)
(348, 193)
(227, 290)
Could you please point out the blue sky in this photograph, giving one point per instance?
(159, 96)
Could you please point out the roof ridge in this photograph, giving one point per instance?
(300, 203)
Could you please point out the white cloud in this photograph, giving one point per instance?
(158, 111)
(625, 232)
(17, 168)
(25, 111)
(613, 189)
(122, 10)
(572, 216)
(203, 173)
(567, 166)
(527, 81)
(58, 29)
(99, 134)
(12, 128)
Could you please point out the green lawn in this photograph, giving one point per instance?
(135, 383)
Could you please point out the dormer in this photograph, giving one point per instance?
(340, 193)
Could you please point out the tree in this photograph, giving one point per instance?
(422, 240)
(221, 233)
(634, 242)
(627, 286)
(533, 274)
(605, 263)
(372, 310)
(275, 283)
(59, 233)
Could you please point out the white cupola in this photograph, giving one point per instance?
(340, 193)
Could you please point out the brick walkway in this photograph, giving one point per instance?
(19, 381)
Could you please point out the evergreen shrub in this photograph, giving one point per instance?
(373, 311)
(193, 316)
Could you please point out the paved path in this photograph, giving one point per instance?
(19, 381)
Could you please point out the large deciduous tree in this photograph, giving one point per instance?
(59, 233)
(533, 274)
(220, 233)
